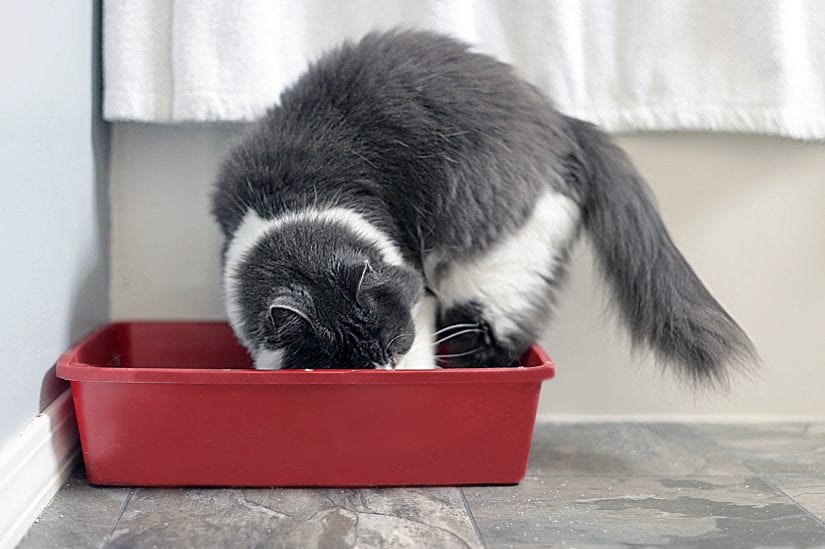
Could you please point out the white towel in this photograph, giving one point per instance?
(740, 65)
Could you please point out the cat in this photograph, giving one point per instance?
(408, 196)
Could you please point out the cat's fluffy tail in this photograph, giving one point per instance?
(662, 301)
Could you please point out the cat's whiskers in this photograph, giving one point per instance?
(448, 337)
(455, 327)
(457, 355)
(419, 343)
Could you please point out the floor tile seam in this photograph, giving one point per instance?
(798, 505)
(120, 512)
(472, 517)
(765, 478)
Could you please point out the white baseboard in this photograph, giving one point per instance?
(678, 418)
(33, 467)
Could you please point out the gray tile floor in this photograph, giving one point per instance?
(606, 485)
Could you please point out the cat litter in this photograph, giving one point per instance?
(179, 404)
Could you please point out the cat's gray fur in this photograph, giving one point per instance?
(446, 153)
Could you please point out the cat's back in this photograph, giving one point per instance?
(412, 123)
(452, 133)
(417, 81)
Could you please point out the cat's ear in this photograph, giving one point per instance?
(289, 312)
(391, 283)
(353, 275)
(366, 271)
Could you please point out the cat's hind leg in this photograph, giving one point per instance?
(495, 304)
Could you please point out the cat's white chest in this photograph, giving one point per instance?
(421, 355)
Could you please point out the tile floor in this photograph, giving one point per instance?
(605, 485)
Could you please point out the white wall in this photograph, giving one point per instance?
(53, 155)
(746, 211)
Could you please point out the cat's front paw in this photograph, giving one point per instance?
(465, 339)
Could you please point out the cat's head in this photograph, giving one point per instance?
(320, 309)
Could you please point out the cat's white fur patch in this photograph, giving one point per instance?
(253, 227)
(421, 355)
(266, 359)
(506, 279)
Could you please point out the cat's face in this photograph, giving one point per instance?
(348, 315)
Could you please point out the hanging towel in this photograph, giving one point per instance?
(753, 66)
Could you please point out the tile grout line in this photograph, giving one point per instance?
(118, 517)
(818, 520)
(472, 517)
(758, 474)
(767, 481)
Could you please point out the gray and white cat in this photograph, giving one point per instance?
(407, 195)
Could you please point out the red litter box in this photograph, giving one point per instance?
(178, 404)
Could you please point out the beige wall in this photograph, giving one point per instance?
(749, 215)
(748, 212)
